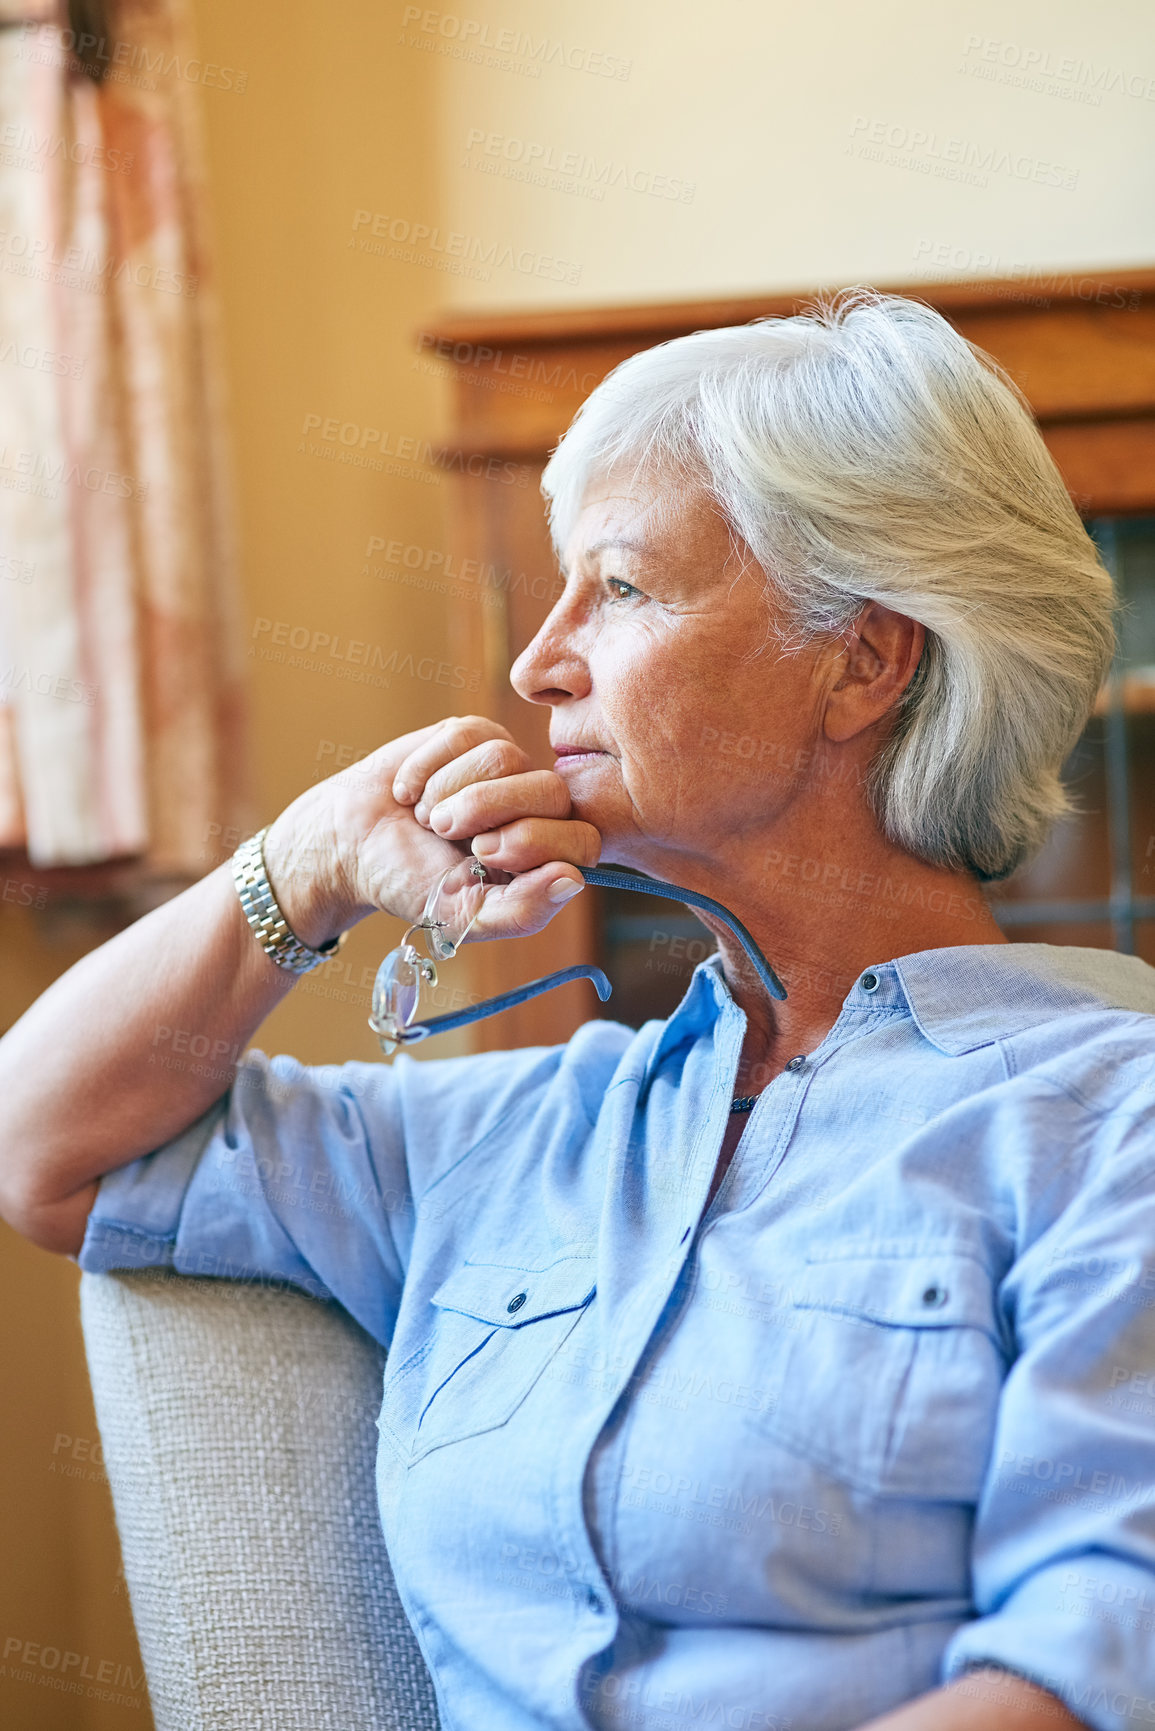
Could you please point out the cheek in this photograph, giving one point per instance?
(651, 689)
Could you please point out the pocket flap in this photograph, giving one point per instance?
(508, 1297)
(928, 1289)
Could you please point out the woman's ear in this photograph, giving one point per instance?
(876, 663)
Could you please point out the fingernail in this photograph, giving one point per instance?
(421, 811)
(441, 817)
(564, 889)
(485, 846)
(401, 793)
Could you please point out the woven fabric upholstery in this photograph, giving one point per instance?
(239, 1438)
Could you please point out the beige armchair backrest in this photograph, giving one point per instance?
(239, 1438)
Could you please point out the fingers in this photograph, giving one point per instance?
(449, 739)
(486, 805)
(528, 904)
(383, 762)
(493, 761)
(530, 842)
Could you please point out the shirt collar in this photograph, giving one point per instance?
(969, 997)
(960, 998)
(705, 1000)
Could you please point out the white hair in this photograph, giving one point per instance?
(864, 451)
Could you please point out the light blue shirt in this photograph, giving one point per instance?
(884, 1410)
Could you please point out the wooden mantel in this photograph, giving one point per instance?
(1079, 344)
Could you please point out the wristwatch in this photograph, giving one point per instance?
(270, 927)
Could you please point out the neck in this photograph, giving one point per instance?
(822, 912)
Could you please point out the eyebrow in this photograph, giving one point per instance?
(641, 547)
(619, 540)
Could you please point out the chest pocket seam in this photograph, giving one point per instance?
(482, 1356)
(892, 1359)
(918, 1288)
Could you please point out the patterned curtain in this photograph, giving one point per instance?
(121, 724)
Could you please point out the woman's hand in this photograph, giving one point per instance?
(189, 978)
(377, 835)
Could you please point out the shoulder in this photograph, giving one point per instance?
(1100, 1059)
(1077, 1020)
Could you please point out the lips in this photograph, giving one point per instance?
(563, 751)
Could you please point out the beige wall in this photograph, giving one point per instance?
(774, 122)
(757, 113)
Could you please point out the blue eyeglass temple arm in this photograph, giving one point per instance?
(613, 878)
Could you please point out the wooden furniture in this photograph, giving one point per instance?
(1081, 347)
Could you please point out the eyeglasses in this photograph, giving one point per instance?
(453, 905)
(450, 909)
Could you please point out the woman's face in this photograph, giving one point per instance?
(680, 726)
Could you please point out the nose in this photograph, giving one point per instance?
(552, 666)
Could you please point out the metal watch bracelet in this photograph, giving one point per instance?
(270, 927)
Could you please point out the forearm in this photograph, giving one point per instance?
(130, 1046)
(981, 1700)
(124, 1051)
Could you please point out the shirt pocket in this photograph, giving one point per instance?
(493, 1330)
(894, 1371)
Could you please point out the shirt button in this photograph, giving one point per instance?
(594, 1601)
(935, 1297)
(516, 1302)
(869, 982)
(798, 1063)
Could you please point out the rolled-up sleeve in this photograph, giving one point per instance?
(1064, 1540)
(297, 1176)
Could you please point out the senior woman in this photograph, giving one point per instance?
(697, 1414)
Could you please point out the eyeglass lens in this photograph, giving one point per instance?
(397, 988)
(454, 903)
